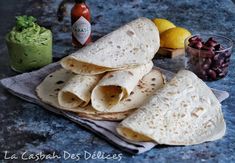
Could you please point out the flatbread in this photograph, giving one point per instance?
(77, 91)
(48, 90)
(184, 112)
(130, 45)
(117, 86)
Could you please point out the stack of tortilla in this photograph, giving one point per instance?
(113, 78)
(110, 78)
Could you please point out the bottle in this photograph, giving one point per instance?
(81, 26)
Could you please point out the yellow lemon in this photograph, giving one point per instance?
(174, 37)
(163, 24)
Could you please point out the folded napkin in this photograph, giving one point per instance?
(24, 86)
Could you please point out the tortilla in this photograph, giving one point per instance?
(184, 112)
(48, 90)
(117, 86)
(129, 46)
(77, 91)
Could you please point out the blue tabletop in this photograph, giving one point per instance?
(29, 128)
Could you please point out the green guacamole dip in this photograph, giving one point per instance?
(29, 48)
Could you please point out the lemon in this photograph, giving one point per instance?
(174, 37)
(163, 24)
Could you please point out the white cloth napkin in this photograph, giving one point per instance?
(24, 85)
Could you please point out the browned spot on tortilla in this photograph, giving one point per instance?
(60, 82)
(135, 49)
(51, 76)
(131, 93)
(128, 100)
(130, 33)
(193, 114)
(153, 84)
(71, 65)
(141, 81)
(140, 86)
(153, 79)
(130, 73)
(110, 76)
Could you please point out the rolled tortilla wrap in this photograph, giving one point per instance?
(116, 86)
(77, 91)
(184, 112)
(130, 45)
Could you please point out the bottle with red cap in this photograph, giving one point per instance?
(81, 26)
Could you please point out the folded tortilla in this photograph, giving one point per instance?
(48, 90)
(117, 86)
(184, 112)
(77, 91)
(131, 45)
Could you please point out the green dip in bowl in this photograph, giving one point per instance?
(29, 45)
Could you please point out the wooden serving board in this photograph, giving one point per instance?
(169, 53)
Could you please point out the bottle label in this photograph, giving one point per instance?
(81, 30)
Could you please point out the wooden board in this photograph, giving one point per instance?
(169, 53)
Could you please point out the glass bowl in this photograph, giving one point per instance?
(208, 56)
